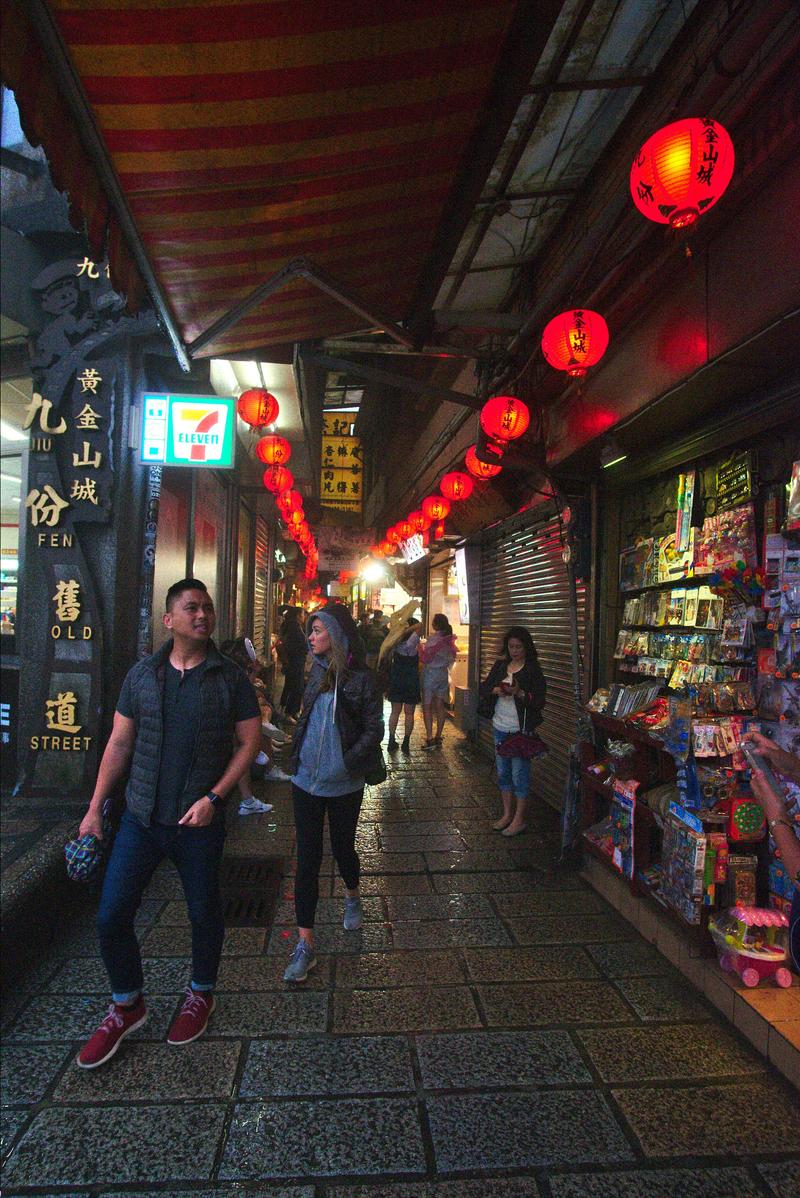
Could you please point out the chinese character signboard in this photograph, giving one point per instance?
(342, 548)
(342, 476)
(188, 430)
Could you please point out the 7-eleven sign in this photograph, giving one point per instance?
(189, 430)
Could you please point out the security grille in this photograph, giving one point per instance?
(261, 589)
(524, 581)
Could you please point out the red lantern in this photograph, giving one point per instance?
(273, 450)
(289, 500)
(376, 551)
(387, 548)
(438, 531)
(681, 171)
(277, 479)
(575, 340)
(406, 529)
(418, 520)
(478, 468)
(393, 534)
(436, 508)
(504, 418)
(456, 486)
(257, 407)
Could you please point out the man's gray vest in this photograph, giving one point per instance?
(215, 732)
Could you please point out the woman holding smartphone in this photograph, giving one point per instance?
(513, 695)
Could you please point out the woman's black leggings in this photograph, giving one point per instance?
(309, 822)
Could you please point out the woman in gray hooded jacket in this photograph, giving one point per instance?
(338, 731)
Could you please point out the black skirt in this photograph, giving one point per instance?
(404, 679)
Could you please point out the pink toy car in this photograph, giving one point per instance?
(751, 941)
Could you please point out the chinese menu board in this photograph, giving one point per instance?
(342, 474)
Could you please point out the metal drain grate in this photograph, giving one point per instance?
(249, 888)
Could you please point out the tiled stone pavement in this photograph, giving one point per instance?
(494, 1031)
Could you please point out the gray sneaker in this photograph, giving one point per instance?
(353, 914)
(303, 960)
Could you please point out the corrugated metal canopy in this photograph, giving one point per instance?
(246, 135)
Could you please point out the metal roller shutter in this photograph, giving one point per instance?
(524, 581)
(261, 589)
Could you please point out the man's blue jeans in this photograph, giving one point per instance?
(196, 854)
(513, 773)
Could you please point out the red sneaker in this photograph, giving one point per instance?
(118, 1023)
(193, 1017)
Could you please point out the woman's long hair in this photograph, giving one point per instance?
(518, 633)
(440, 623)
(338, 660)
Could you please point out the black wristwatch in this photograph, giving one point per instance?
(214, 798)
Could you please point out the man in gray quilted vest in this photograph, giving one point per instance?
(186, 728)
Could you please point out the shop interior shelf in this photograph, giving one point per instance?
(669, 584)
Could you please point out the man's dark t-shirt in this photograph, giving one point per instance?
(181, 716)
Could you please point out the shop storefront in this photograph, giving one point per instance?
(444, 595)
(701, 577)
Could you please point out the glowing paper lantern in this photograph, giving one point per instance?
(289, 500)
(575, 340)
(478, 468)
(277, 479)
(438, 531)
(504, 418)
(456, 486)
(257, 407)
(406, 529)
(273, 450)
(436, 508)
(393, 534)
(387, 548)
(681, 171)
(418, 520)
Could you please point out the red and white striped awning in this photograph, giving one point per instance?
(247, 135)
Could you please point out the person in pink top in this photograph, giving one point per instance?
(437, 656)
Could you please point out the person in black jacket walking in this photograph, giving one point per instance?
(514, 695)
(340, 727)
(188, 726)
(292, 653)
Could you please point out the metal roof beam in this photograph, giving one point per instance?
(398, 382)
(610, 83)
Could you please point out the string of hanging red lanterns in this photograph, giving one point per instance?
(257, 407)
(277, 479)
(477, 468)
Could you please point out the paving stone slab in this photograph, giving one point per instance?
(87, 975)
(70, 1146)
(783, 1179)
(386, 970)
(634, 958)
(657, 1183)
(449, 933)
(658, 1053)
(245, 974)
(289, 1012)
(203, 1070)
(444, 906)
(717, 1120)
(664, 998)
(11, 1124)
(392, 863)
(543, 963)
(495, 882)
(570, 929)
(480, 1059)
(512, 1131)
(279, 1191)
(327, 1065)
(351, 1136)
(331, 910)
(331, 938)
(573, 1003)
(177, 942)
(466, 862)
(550, 902)
(505, 1187)
(61, 1017)
(409, 1009)
(395, 884)
(27, 1073)
(429, 843)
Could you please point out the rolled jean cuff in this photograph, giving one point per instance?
(203, 987)
(126, 998)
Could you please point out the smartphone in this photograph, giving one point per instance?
(757, 762)
(505, 687)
